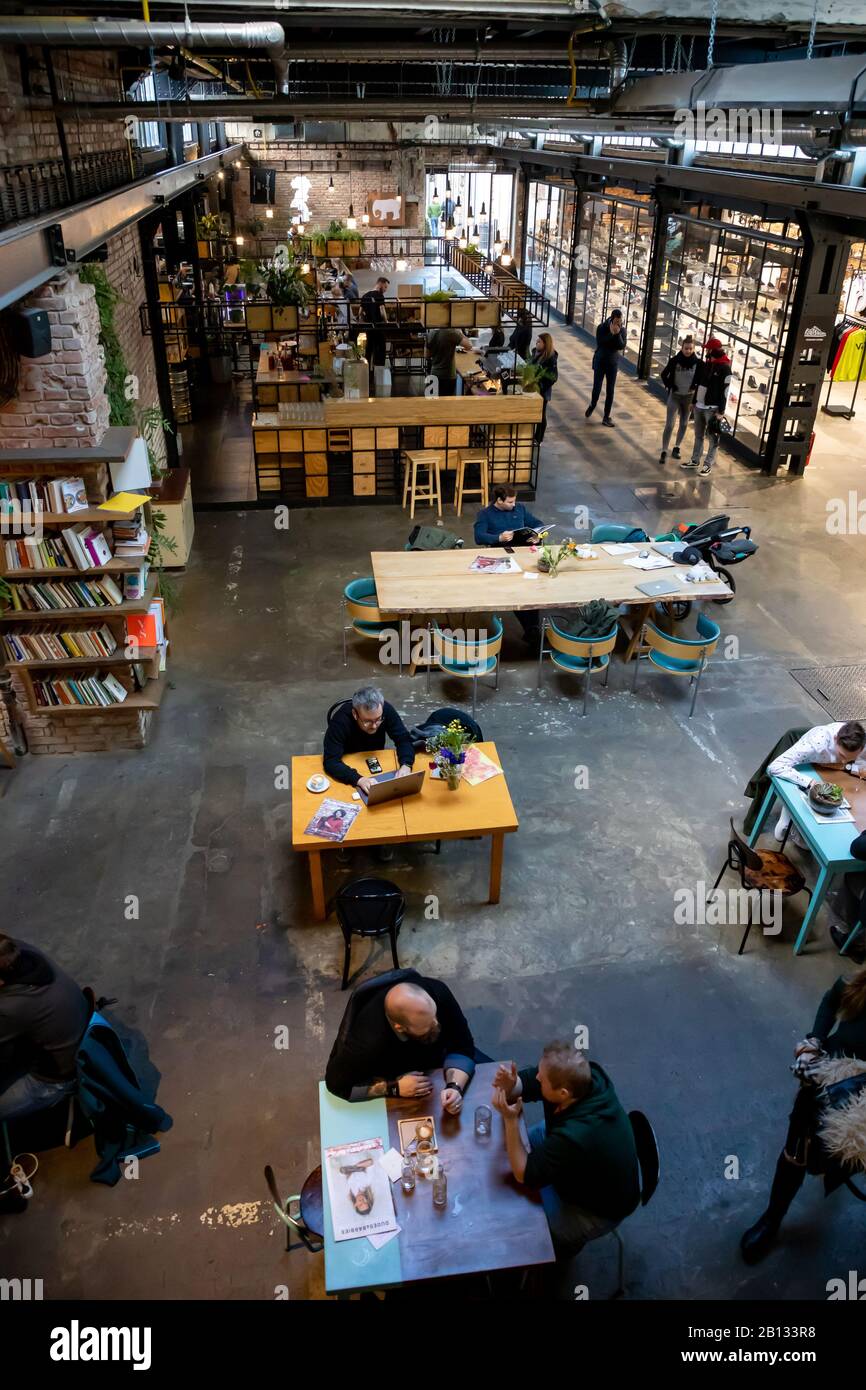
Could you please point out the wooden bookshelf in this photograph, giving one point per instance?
(113, 566)
(149, 698)
(51, 663)
(115, 610)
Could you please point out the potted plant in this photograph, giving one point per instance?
(210, 228)
(449, 753)
(532, 377)
(550, 557)
(254, 228)
(5, 595)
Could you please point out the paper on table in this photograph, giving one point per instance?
(527, 575)
(392, 1163)
(619, 548)
(378, 1241)
(652, 562)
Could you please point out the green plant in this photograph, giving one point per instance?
(210, 226)
(533, 375)
(285, 284)
(552, 556)
(152, 425)
(248, 270)
(335, 231)
(449, 752)
(120, 407)
(439, 296)
(255, 226)
(5, 592)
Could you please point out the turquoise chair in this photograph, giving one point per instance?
(467, 660)
(360, 606)
(611, 531)
(580, 655)
(681, 656)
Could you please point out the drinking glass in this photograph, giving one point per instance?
(407, 1175)
(483, 1121)
(440, 1188)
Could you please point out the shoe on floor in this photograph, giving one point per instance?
(676, 451)
(662, 456)
(689, 463)
(607, 421)
(758, 1240)
(705, 469)
(589, 410)
(857, 953)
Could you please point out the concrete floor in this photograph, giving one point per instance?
(225, 951)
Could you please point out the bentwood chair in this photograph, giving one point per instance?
(369, 907)
(465, 659)
(763, 870)
(308, 1217)
(579, 655)
(681, 656)
(360, 608)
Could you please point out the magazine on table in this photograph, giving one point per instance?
(333, 820)
(359, 1189)
(495, 564)
(479, 767)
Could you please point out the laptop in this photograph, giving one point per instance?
(656, 588)
(389, 787)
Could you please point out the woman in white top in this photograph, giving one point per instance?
(828, 745)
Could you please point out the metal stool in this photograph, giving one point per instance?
(309, 1218)
(413, 459)
(464, 458)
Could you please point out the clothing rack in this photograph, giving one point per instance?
(835, 408)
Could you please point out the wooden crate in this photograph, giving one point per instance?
(364, 439)
(363, 484)
(317, 485)
(388, 438)
(291, 442)
(487, 313)
(265, 441)
(364, 462)
(435, 436)
(316, 464)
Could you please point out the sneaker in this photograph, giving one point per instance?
(607, 421)
(689, 463)
(704, 469)
(663, 455)
(589, 410)
(676, 451)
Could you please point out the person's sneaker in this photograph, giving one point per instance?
(607, 421)
(689, 463)
(385, 853)
(857, 952)
(705, 468)
(759, 1239)
(675, 451)
(663, 456)
(589, 410)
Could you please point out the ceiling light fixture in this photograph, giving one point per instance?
(269, 212)
(331, 182)
(401, 264)
(462, 243)
(483, 210)
(475, 231)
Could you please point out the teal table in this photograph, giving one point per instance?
(830, 844)
(490, 1221)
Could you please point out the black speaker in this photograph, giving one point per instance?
(31, 332)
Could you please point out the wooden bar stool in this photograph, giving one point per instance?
(465, 457)
(431, 491)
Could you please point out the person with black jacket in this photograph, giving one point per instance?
(43, 1017)
(362, 725)
(839, 1030)
(521, 335)
(393, 1035)
(680, 376)
(711, 399)
(545, 356)
(372, 303)
(610, 340)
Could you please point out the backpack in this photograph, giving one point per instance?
(433, 538)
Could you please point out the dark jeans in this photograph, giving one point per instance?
(531, 624)
(604, 371)
(542, 424)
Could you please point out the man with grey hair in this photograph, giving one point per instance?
(362, 725)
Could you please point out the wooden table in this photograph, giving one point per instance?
(434, 814)
(440, 581)
(490, 1222)
(830, 843)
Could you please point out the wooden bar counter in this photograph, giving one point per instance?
(337, 450)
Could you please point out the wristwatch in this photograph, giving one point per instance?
(454, 1086)
(393, 1088)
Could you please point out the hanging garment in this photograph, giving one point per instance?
(844, 336)
(849, 366)
(838, 334)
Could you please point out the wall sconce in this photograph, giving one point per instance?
(239, 241)
(269, 213)
(365, 219)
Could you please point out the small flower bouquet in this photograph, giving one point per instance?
(449, 753)
(550, 557)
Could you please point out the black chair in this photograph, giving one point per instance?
(649, 1164)
(369, 907)
(309, 1217)
(765, 870)
(338, 704)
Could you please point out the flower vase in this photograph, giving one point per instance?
(453, 777)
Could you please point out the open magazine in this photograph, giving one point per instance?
(478, 767)
(495, 564)
(332, 820)
(359, 1189)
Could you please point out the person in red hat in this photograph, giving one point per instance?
(711, 398)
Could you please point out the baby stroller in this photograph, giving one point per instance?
(720, 545)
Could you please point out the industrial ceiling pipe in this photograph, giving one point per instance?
(121, 33)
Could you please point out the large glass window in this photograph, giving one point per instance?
(148, 131)
(613, 260)
(547, 251)
(479, 202)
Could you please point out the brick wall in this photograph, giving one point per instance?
(28, 130)
(123, 268)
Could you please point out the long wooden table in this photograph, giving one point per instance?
(434, 814)
(490, 1221)
(441, 581)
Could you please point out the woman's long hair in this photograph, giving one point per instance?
(853, 1003)
(546, 346)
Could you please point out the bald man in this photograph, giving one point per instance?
(393, 1035)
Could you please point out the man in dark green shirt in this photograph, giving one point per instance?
(583, 1157)
(443, 343)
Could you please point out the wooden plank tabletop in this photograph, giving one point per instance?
(432, 410)
(855, 792)
(441, 581)
(437, 813)
(376, 825)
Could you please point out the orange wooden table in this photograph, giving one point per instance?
(435, 814)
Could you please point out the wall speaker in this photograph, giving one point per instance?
(31, 332)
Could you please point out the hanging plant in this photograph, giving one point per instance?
(285, 284)
(210, 226)
(120, 408)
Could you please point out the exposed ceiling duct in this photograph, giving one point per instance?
(121, 33)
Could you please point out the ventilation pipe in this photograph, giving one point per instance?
(618, 54)
(76, 33)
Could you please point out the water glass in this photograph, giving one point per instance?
(483, 1121)
(407, 1175)
(440, 1188)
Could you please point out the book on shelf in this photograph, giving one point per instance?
(46, 645)
(33, 553)
(131, 540)
(135, 583)
(47, 595)
(88, 547)
(84, 688)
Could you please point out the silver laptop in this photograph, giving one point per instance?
(389, 787)
(656, 588)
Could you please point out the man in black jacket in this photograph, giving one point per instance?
(43, 1017)
(610, 337)
(711, 398)
(393, 1034)
(680, 376)
(362, 725)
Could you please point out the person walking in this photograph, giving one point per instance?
(546, 357)
(610, 339)
(434, 212)
(680, 376)
(711, 399)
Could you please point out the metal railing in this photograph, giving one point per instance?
(513, 294)
(28, 189)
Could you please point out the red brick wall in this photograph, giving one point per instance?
(27, 126)
(123, 269)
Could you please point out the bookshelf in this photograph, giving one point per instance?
(70, 728)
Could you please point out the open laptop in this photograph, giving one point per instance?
(389, 787)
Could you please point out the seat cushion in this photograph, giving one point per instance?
(674, 665)
(777, 874)
(370, 629)
(464, 668)
(578, 663)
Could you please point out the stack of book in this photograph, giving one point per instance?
(59, 646)
(49, 594)
(83, 689)
(148, 629)
(29, 553)
(88, 547)
(131, 539)
(135, 583)
(43, 495)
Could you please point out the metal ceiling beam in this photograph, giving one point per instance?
(26, 260)
(318, 108)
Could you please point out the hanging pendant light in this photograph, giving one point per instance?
(351, 220)
(475, 231)
(457, 204)
(483, 212)
(269, 213)
(462, 243)
(331, 182)
(365, 219)
(435, 195)
(447, 184)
